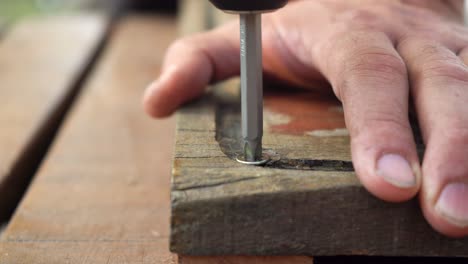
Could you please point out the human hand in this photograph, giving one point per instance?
(375, 54)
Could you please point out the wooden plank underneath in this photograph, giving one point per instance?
(41, 61)
(102, 195)
(85, 252)
(305, 201)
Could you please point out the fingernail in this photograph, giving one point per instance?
(396, 170)
(453, 204)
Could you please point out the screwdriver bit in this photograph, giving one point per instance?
(250, 12)
(251, 85)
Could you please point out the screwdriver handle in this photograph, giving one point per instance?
(245, 6)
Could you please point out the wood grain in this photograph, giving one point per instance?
(102, 195)
(305, 201)
(41, 61)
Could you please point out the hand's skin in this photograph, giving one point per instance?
(374, 53)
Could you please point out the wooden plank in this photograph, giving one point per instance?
(306, 200)
(102, 195)
(41, 61)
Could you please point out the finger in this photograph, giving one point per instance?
(439, 85)
(463, 55)
(190, 65)
(370, 78)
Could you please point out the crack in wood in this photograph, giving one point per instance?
(314, 165)
(215, 184)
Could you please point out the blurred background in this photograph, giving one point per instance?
(11, 10)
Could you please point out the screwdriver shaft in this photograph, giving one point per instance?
(251, 85)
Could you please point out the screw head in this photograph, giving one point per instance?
(265, 159)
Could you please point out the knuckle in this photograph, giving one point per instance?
(384, 126)
(361, 17)
(433, 62)
(388, 121)
(374, 62)
(358, 20)
(418, 41)
(359, 60)
(444, 70)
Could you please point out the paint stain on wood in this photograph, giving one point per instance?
(339, 132)
(305, 112)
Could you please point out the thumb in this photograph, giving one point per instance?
(190, 65)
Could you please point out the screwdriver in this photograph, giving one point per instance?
(250, 12)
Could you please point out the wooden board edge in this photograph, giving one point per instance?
(15, 184)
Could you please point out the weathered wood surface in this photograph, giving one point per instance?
(41, 61)
(305, 201)
(102, 195)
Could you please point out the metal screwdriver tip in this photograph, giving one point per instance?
(251, 85)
